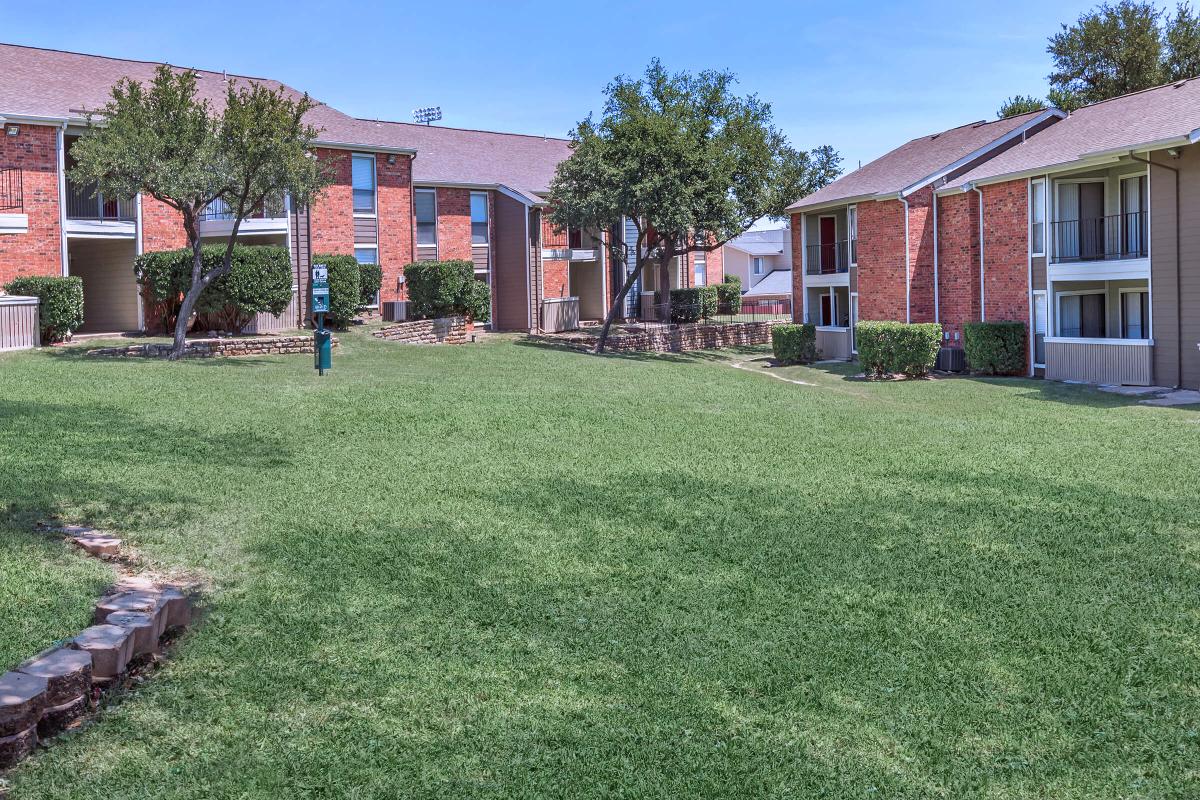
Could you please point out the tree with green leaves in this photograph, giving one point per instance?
(1020, 104)
(1117, 49)
(164, 141)
(688, 162)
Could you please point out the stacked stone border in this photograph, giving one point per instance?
(215, 348)
(55, 689)
(675, 338)
(443, 330)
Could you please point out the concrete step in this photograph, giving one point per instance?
(68, 675)
(22, 700)
(110, 647)
(97, 544)
(144, 627)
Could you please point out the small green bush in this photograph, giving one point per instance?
(260, 279)
(446, 288)
(729, 295)
(897, 348)
(370, 281)
(345, 295)
(60, 310)
(694, 303)
(995, 348)
(794, 344)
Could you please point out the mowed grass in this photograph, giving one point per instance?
(503, 570)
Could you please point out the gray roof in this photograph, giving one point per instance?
(761, 243)
(59, 85)
(776, 282)
(1152, 116)
(917, 161)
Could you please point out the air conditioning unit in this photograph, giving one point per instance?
(395, 310)
(952, 359)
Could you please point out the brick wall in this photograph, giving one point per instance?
(798, 269)
(395, 223)
(1006, 252)
(881, 261)
(920, 249)
(332, 215)
(554, 272)
(958, 263)
(714, 267)
(162, 227)
(39, 251)
(454, 224)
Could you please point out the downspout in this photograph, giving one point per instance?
(1178, 279)
(937, 316)
(982, 288)
(60, 143)
(907, 270)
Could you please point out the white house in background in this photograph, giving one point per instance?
(756, 254)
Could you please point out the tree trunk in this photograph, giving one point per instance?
(192, 296)
(663, 295)
(617, 303)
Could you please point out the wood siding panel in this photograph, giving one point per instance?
(19, 325)
(1128, 364)
(427, 252)
(366, 230)
(301, 233)
(481, 257)
(1039, 272)
(510, 273)
(110, 294)
(270, 323)
(1176, 339)
(834, 345)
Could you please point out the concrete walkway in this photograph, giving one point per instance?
(1157, 395)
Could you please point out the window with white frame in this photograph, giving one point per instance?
(1081, 315)
(1037, 218)
(699, 268)
(368, 255)
(425, 210)
(479, 218)
(1039, 329)
(757, 264)
(852, 233)
(1135, 314)
(362, 179)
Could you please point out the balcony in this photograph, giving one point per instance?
(13, 218)
(1119, 237)
(569, 254)
(828, 263)
(217, 219)
(92, 215)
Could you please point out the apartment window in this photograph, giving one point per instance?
(699, 269)
(852, 232)
(1081, 315)
(575, 239)
(366, 255)
(479, 218)
(1135, 314)
(1037, 217)
(425, 207)
(757, 263)
(362, 178)
(1039, 329)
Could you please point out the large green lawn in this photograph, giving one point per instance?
(503, 570)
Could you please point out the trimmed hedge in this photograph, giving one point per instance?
(60, 310)
(445, 289)
(729, 295)
(995, 348)
(370, 281)
(794, 344)
(260, 280)
(344, 292)
(897, 348)
(693, 304)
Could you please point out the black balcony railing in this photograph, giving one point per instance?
(830, 258)
(12, 193)
(1101, 238)
(83, 202)
(219, 210)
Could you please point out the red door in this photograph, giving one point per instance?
(826, 309)
(828, 244)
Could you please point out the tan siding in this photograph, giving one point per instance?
(366, 230)
(19, 326)
(1170, 335)
(301, 261)
(833, 344)
(110, 298)
(535, 269)
(480, 255)
(426, 252)
(1100, 363)
(510, 276)
(1039, 272)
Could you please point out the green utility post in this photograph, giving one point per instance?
(322, 339)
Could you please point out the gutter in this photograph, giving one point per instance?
(907, 268)
(1178, 279)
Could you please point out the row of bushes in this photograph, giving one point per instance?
(60, 307)
(703, 302)
(996, 348)
(446, 288)
(794, 344)
(897, 348)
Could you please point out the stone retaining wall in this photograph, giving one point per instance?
(678, 338)
(214, 348)
(444, 330)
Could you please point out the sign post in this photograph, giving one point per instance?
(322, 339)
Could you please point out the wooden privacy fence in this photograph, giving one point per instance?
(19, 323)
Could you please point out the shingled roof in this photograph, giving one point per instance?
(920, 161)
(62, 86)
(1160, 116)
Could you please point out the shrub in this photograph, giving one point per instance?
(60, 310)
(344, 292)
(995, 348)
(692, 304)
(259, 280)
(729, 295)
(897, 348)
(445, 289)
(370, 281)
(794, 344)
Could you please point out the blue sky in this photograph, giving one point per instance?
(863, 77)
